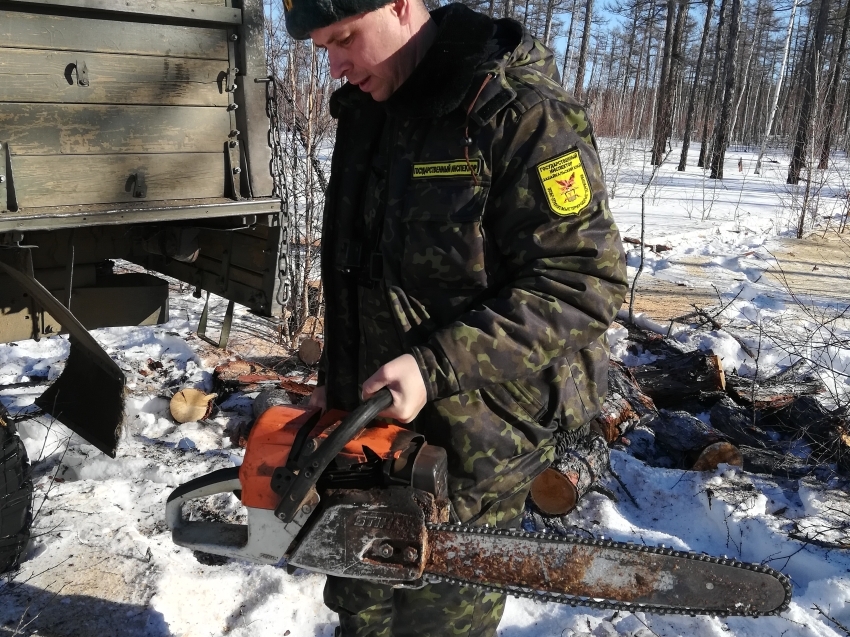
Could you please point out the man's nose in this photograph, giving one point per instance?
(340, 65)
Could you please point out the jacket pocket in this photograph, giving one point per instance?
(444, 243)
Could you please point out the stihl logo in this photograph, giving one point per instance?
(373, 520)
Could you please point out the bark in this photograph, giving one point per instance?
(737, 423)
(832, 91)
(711, 96)
(673, 380)
(689, 118)
(582, 54)
(804, 123)
(624, 405)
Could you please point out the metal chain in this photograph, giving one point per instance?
(574, 600)
(284, 219)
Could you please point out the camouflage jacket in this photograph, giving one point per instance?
(467, 223)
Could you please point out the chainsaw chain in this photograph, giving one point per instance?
(602, 542)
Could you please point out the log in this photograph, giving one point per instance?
(310, 351)
(672, 380)
(682, 433)
(776, 464)
(737, 423)
(692, 443)
(770, 394)
(624, 405)
(190, 405)
(828, 432)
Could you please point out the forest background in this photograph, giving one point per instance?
(755, 75)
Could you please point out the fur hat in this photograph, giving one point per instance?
(302, 16)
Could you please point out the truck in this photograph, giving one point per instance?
(136, 130)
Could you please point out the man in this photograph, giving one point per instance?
(470, 262)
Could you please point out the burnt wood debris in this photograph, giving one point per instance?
(681, 411)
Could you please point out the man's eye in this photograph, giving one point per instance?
(346, 40)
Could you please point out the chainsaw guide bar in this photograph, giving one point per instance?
(602, 573)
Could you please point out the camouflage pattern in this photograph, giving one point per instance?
(502, 301)
(438, 610)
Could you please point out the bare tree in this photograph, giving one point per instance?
(769, 126)
(582, 54)
(804, 122)
(721, 137)
(832, 91)
(692, 99)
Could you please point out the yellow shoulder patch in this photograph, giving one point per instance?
(565, 183)
(287, 5)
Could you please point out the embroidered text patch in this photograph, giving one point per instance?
(441, 169)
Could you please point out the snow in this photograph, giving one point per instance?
(102, 561)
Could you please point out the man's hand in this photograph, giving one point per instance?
(319, 399)
(404, 380)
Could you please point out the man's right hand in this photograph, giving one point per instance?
(319, 399)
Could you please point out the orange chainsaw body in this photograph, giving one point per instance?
(271, 439)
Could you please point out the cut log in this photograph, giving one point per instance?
(682, 433)
(624, 405)
(689, 441)
(737, 423)
(776, 464)
(553, 493)
(190, 405)
(670, 381)
(716, 454)
(310, 351)
(770, 394)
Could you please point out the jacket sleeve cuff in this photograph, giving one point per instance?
(440, 379)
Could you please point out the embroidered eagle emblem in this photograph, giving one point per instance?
(567, 189)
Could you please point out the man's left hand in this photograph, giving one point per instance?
(404, 380)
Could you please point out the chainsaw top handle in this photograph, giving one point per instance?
(294, 486)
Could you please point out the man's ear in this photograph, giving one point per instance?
(401, 10)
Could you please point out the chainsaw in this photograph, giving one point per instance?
(352, 496)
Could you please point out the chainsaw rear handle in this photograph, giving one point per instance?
(295, 487)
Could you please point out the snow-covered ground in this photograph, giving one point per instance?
(102, 563)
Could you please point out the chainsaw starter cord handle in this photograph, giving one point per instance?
(312, 466)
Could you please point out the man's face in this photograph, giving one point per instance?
(366, 50)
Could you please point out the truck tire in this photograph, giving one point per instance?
(15, 496)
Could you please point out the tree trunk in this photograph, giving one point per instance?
(801, 139)
(663, 96)
(711, 96)
(582, 54)
(568, 50)
(772, 115)
(832, 91)
(547, 30)
(692, 100)
(744, 80)
(721, 138)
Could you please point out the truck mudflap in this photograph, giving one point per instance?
(88, 397)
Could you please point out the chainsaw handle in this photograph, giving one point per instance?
(312, 466)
